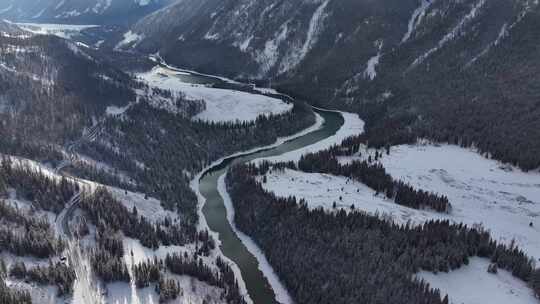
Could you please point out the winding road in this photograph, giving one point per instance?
(62, 220)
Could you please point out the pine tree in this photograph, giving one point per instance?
(445, 300)
(535, 282)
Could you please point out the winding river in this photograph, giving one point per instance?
(214, 209)
(216, 215)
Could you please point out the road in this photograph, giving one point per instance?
(62, 220)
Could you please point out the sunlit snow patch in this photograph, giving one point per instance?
(66, 31)
(222, 105)
(472, 284)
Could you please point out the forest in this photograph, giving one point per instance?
(20, 232)
(342, 257)
(107, 258)
(8, 295)
(34, 185)
(108, 214)
(161, 150)
(54, 274)
(152, 272)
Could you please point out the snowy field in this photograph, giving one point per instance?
(66, 31)
(322, 190)
(221, 105)
(472, 284)
(504, 200)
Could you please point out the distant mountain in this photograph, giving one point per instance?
(50, 88)
(461, 71)
(78, 11)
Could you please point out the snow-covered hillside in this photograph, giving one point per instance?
(221, 105)
(86, 285)
(194, 291)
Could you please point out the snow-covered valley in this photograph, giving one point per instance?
(163, 147)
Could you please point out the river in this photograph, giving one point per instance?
(216, 215)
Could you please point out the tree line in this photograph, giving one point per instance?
(368, 172)
(349, 257)
(108, 214)
(107, 258)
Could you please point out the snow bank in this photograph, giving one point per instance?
(129, 39)
(472, 284)
(282, 295)
(353, 125)
(371, 67)
(503, 199)
(114, 110)
(221, 105)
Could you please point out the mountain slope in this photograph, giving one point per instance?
(459, 71)
(269, 37)
(50, 88)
